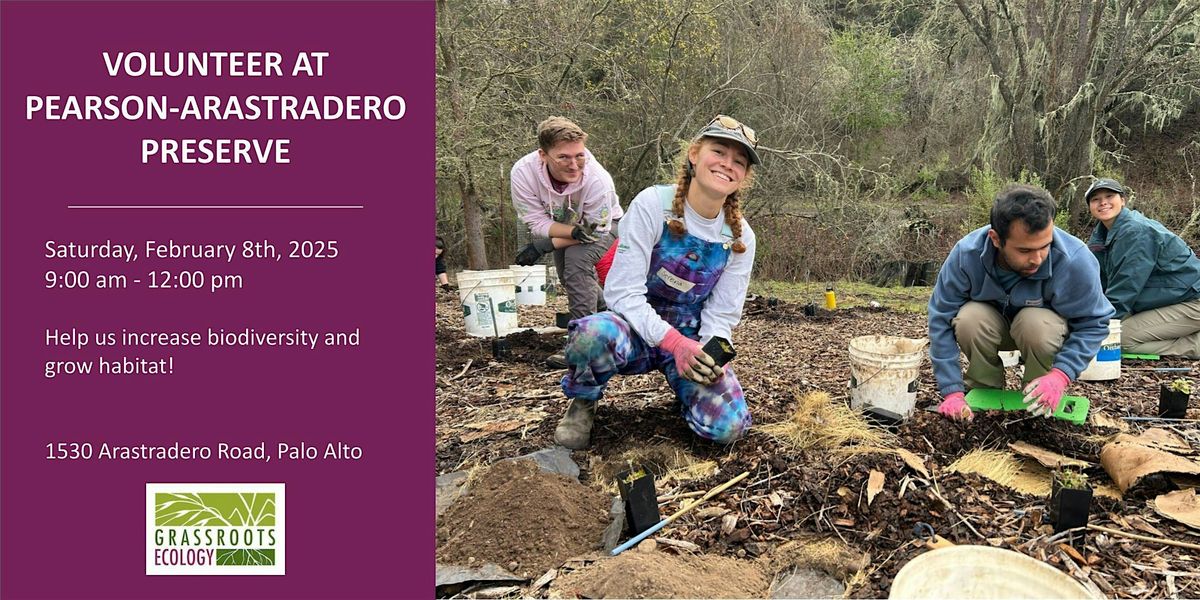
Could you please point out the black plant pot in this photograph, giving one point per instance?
(562, 319)
(641, 500)
(1069, 508)
(500, 349)
(810, 310)
(1171, 404)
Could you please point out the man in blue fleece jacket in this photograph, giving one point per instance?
(1017, 284)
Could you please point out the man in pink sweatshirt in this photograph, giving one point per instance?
(570, 204)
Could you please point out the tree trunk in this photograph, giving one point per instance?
(472, 214)
(473, 221)
(1070, 151)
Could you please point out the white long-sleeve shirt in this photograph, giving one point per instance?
(640, 231)
(593, 198)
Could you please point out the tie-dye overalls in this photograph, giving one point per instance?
(683, 271)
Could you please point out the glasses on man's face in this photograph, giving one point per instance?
(566, 159)
(733, 124)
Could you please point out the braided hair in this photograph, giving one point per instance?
(733, 209)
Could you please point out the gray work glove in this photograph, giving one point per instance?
(690, 359)
(585, 233)
(532, 253)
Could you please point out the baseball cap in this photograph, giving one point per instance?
(1104, 184)
(729, 128)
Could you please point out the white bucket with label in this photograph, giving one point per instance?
(531, 284)
(884, 370)
(489, 302)
(974, 572)
(1107, 364)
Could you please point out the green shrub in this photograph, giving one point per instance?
(984, 185)
(866, 87)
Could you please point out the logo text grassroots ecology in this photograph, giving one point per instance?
(214, 529)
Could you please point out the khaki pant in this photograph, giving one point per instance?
(1170, 331)
(576, 267)
(982, 332)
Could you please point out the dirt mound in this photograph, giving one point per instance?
(526, 346)
(529, 346)
(776, 309)
(515, 512)
(659, 575)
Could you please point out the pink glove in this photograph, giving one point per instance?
(1043, 394)
(690, 359)
(954, 406)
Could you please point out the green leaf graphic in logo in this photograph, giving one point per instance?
(246, 557)
(214, 509)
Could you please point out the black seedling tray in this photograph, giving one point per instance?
(720, 349)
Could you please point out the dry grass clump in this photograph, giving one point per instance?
(827, 554)
(667, 463)
(997, 465)
(822, 424)
(1024, 476)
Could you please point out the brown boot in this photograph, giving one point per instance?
(575, 429)
(558, 360)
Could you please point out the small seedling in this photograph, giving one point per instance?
(1182, 386)
(1073, 480)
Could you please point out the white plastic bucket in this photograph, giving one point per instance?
(489, 302)
(531, 284)
(973, 572)
(883, 372)
(1107, 364)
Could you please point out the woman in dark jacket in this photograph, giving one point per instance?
(1149, 275)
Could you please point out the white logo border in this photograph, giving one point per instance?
(279, 568)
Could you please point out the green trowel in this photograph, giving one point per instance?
(1072, 408)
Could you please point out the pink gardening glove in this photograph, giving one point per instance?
(1043, 394)
(690, 359)
(954, 406)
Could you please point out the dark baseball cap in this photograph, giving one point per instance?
(1104, 184)
(729, 128)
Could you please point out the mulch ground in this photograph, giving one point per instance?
(489, 409)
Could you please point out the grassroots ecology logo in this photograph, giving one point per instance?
(214, 529)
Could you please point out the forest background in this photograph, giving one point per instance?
(886, 127)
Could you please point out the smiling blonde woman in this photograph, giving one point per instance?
(678, 279)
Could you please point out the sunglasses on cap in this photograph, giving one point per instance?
(732, 124)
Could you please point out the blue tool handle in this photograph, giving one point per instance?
(639, 537)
